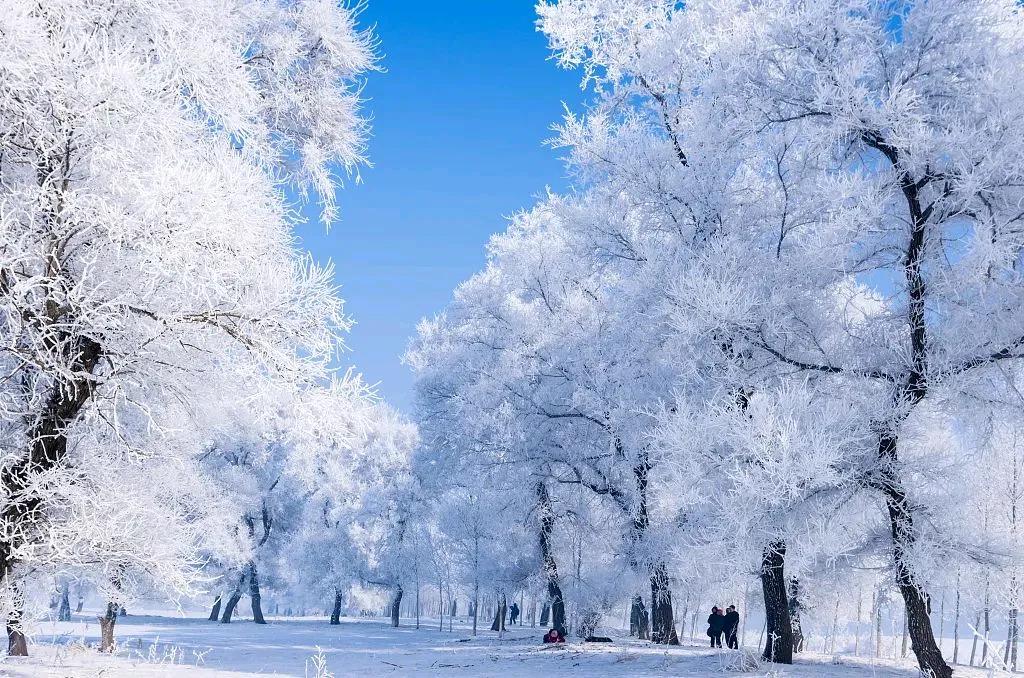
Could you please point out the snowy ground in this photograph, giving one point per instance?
(152, 646)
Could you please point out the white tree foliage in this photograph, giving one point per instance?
(147, 267)
(790, 272)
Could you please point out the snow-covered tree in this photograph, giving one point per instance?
(358, 503)
(860, 152)
(146, 253)
(539, 370)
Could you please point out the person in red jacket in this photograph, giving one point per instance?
(553, 636)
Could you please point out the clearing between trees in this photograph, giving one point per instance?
(152, 645)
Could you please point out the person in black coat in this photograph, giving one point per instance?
(716, 625)
(732, 626)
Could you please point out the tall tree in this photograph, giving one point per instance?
(146, 249)
(914, 206)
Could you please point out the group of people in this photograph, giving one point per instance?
(725, 623)
(513, 614)
(720, 623)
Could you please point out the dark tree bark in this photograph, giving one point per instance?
(396, 605)
(254, 594)
(988, 622)
(475, 604)
(254, 579)
(215, 612)
(794, 615)
(64, 611)
(545, 613)
(663, 628)
(17, 646)
(229, 607)
(440, 606)
(336, 611)
(1012, 635)
(909, 391)
(47, 451)
(499, 614)
(778, 646)
(904, 536)
(47, 447)
(554, 589)
(107, 622)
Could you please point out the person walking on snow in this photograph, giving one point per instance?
(513, 614)
(732, 625)
(716, 624)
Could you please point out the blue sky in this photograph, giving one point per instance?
(459, 119)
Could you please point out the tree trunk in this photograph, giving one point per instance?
(254, 594)
(229, 607)
(476, 603)
(988, 624)
(974, 641)
(499, 614)
(956, 621)
(686, 614)
(215, 612)
(1010, 651)
(440, 606)
(878, 624)
(107, 622)
(64, 611)
(835, 627)
(942, 618)
(904, 537)
(794, 615)
(1014, 633)
(903, 645)
(47, 450)
(545, 613)
(17, 646)
(908, 394)
(396, 605)
(778, 646)
(547, 528)
(336, 611)
(860, 609)
(746, 610)
(663, 629)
